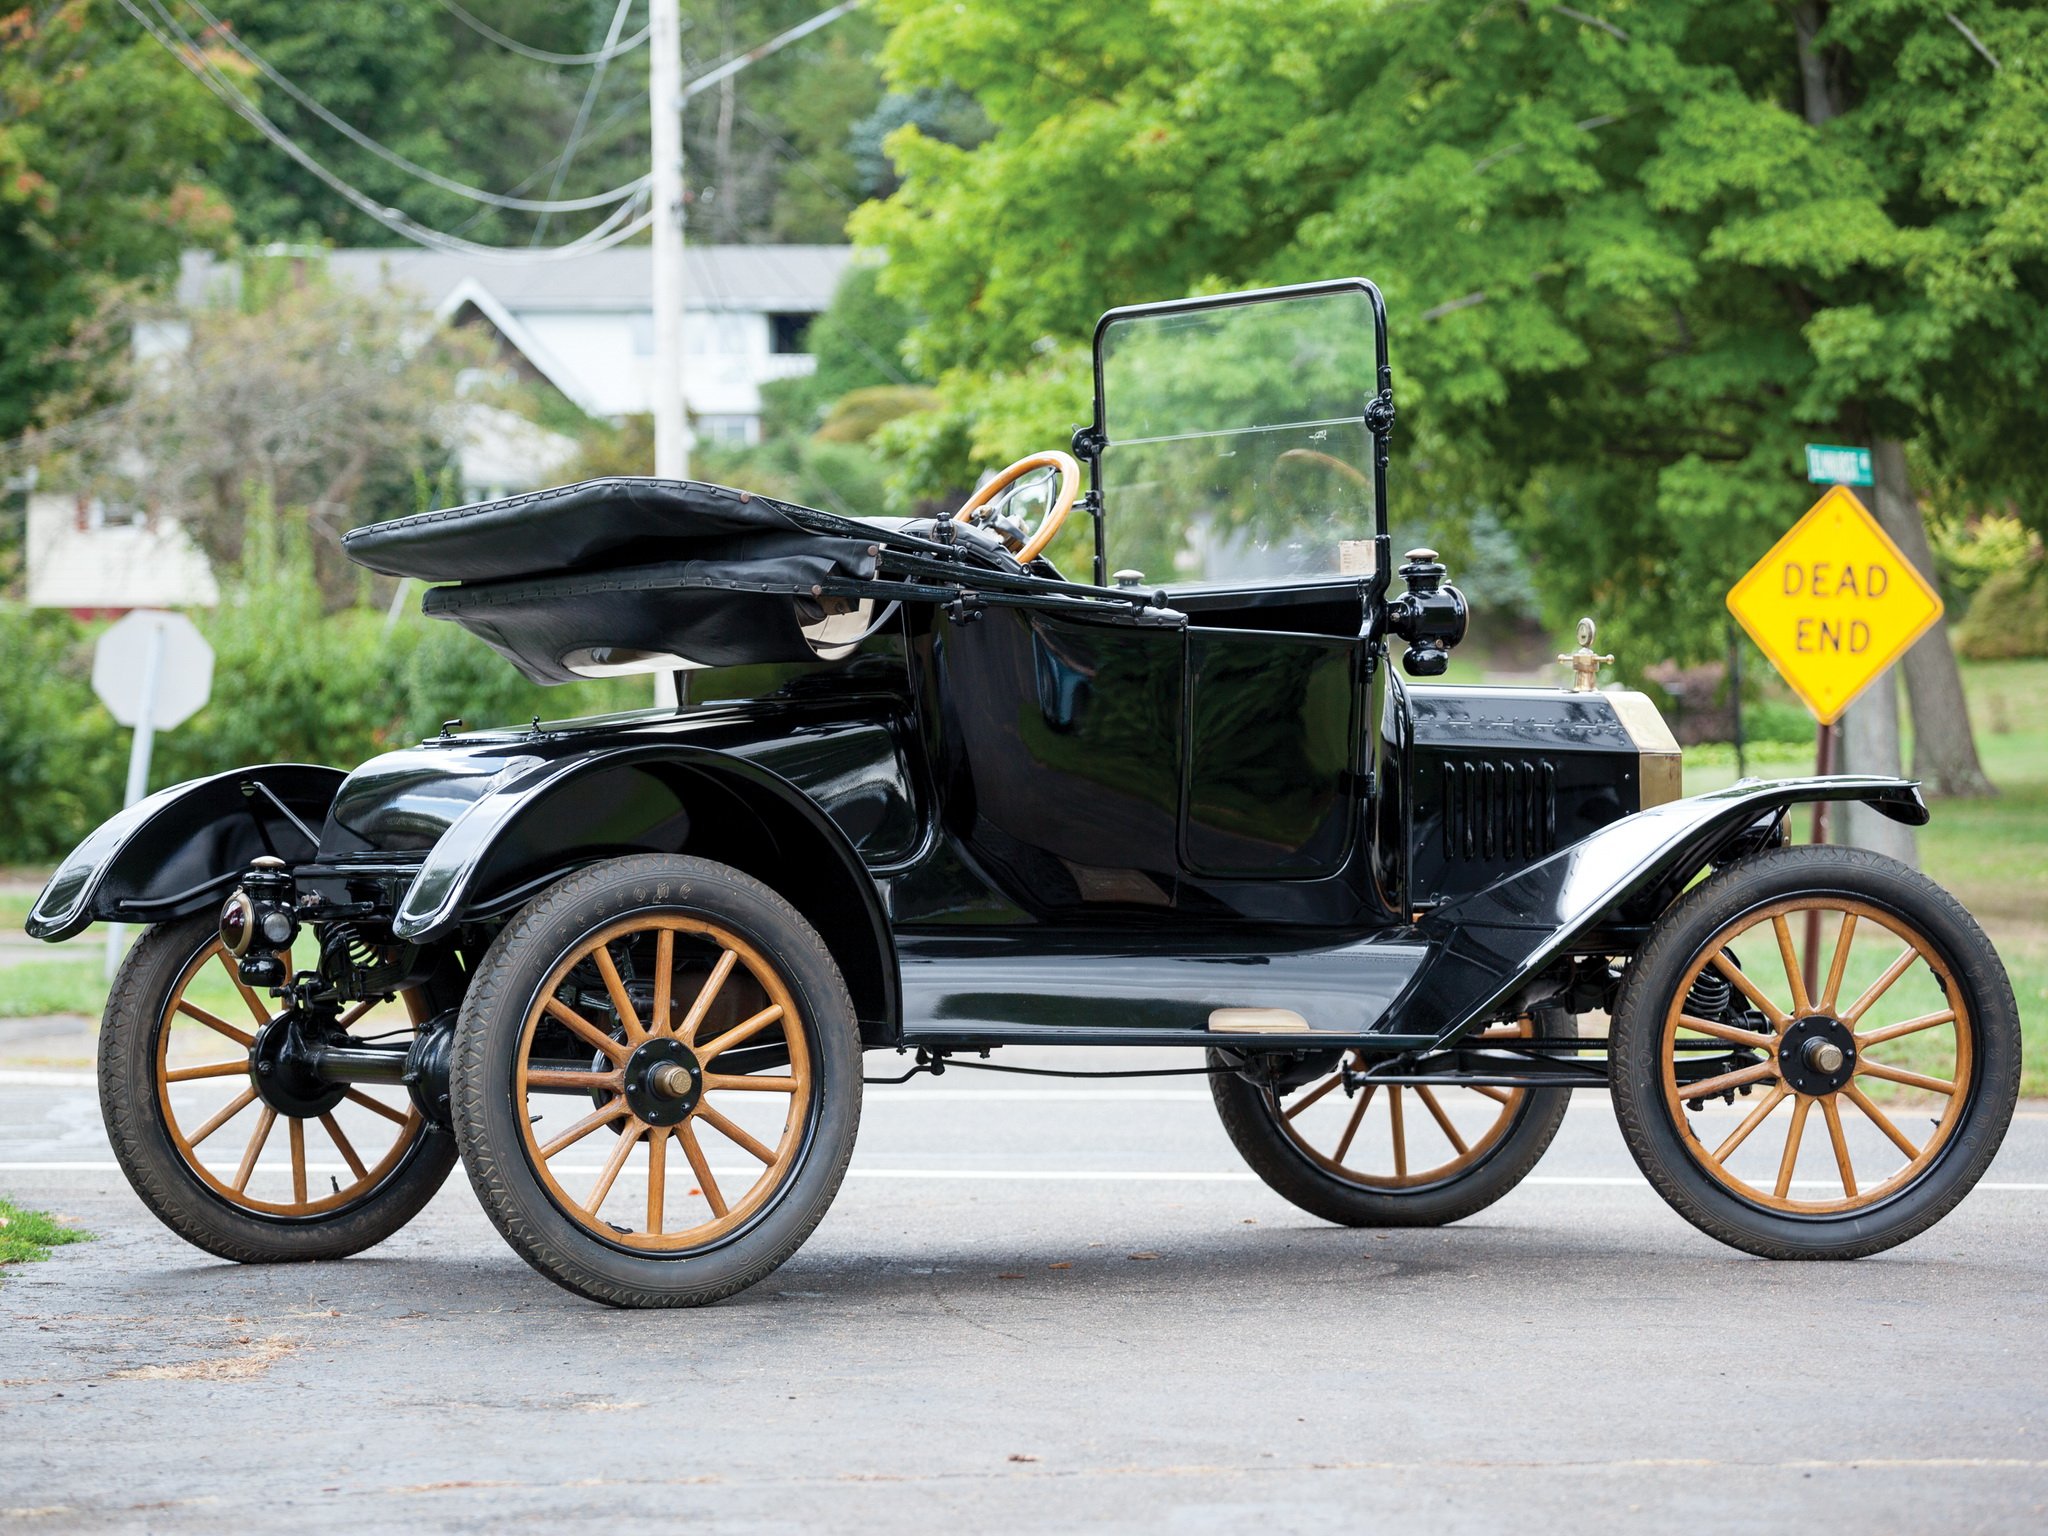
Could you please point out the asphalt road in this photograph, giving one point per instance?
(1037, 1306)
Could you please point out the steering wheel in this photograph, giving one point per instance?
(1028, 549)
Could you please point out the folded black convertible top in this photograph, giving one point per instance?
(626, 520)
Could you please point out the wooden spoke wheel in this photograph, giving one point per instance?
(1390, 1154)
(1816, 1053)
(657, 1081)
(238, 1162)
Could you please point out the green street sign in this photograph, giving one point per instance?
(1829, 465)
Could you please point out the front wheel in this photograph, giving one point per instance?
(1816, 1054)
(657, 1081)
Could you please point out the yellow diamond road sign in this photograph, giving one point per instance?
(1834, 603)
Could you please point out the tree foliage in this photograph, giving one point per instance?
(1628, 277)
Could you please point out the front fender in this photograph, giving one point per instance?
(1486, 946)
(660, 798)
(178, 850)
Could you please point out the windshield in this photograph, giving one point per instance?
(1236, 448)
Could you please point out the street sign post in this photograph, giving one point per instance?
(1827, 464)
(1834, 603)
(153, 671)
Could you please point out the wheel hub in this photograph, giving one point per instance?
(663, 1081)
(1817, 1055)
(283, 1072)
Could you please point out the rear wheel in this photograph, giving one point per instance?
(243, 1167)
(1389, 1155)
(657, 1081)
(1816, 1055)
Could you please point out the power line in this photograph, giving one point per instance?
(546, 56)
(551, 204)
(603, 237)
(540, 225)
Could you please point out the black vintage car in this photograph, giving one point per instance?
(927, 794)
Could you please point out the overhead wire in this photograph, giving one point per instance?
(540, 225)
(608, 233)
(604, 55)
(550, 204)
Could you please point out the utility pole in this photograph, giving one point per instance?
(665, 106)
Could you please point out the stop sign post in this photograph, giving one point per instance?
(153, 671)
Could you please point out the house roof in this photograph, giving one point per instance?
(755, 278)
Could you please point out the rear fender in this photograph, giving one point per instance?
(179, 850)
(1486, 946)
(665, 798)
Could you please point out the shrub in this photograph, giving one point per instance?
(2009, 617)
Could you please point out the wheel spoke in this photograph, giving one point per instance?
(1793, 972)
(622, 1004)
(1751, 1121)
(701, 1168)
(1351, 1129)
(1901, 1075)
(706, 994)
(749, 1083)
(1879, 987)
(1841, 963)
(739, 1032)
(584, 1030)
(341, 1143)
(627, 1142)
(1792, 1139)
(298, 1132)
(1749, 989)
(1498, 1095)
(1827, 1107)
(222, 1026)
(1443, 1120)
(664, 983)
(737, 1135)
(1879, 1119)
(1400, 1133)
(1727, 1080)
(211, 1069)
(263, 1125)
(1303, 1103)
(1910, 1026)
(357, 1096)
(357, 1012)
(235, 1106)
(657, 1174)
(1728, 1032)
(572, 1080)
(582, 1128)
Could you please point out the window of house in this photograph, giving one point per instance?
(789, 333)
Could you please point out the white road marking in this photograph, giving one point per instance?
(1062, 1175)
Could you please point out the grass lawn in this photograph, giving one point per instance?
(26, 1236)
(1992, 853)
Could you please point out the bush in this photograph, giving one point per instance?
(62, 758)
(2009, 617)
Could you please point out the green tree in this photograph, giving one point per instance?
(1635, 254)
(103, 144)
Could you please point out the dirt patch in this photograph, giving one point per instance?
(253, 1362)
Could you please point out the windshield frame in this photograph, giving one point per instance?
(1377, 409)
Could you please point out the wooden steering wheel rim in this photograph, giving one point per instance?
(1070, 486)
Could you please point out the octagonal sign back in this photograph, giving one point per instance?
(1834, 603)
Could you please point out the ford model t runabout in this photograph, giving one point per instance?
(931, 793)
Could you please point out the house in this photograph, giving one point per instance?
(98, 561)
(586, 323)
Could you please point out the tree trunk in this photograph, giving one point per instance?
(1944, 747)
(1868, 742)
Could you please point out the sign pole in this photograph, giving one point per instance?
(138, 762)
(1823, 765)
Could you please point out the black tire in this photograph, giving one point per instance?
(1252, 1117)
(491, 1118)
(1966, 1137)
(138, 1011)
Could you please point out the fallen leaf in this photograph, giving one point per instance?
(1063, 1264)
(1141, 1255)
(1009, 1277)
(1021, 1456)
